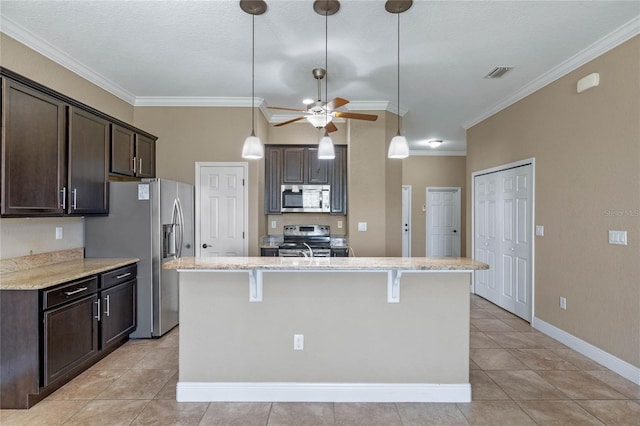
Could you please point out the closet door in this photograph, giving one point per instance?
(503, 227)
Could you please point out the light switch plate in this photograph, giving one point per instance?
(618, 237)
(362, 226)
(540, 230)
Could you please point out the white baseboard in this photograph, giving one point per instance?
(623, 368)
(323, 392)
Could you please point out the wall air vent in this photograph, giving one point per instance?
(498, 72)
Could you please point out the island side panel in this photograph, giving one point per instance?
(351, 334)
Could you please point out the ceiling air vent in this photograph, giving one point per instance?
(498, 72)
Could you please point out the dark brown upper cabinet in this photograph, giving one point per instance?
(88, 163)
(299, 165)
(33, 152)
(132, 154)
(55, 152)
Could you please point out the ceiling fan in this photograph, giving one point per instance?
(321, 114)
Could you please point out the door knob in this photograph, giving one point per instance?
(205, 245)
(455, 230)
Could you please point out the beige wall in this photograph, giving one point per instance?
(587, 151)
(187, 135)
(17, 57)
(351, 334)
(421, 172)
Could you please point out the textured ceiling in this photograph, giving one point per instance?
(198, 52)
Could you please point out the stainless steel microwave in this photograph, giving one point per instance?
(305, 198)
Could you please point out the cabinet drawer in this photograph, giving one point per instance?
(118, 276)
(68, 292)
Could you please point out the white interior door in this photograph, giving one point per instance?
(503, 224)
(443, 222)
(221, 216)
(406, 220)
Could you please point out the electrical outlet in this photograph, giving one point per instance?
(339, 224)
(58, 232)
(563, 302)
(274, 224)
(298, 342)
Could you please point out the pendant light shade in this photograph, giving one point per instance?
(399, 147)
(253, 148)
(325, 148)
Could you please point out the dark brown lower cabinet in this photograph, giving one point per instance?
(49, 336)
(118, 313)
(70, 337)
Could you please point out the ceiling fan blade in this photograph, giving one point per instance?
(289, 122)
(367, 117)
(288, 109)
(330, 127)
(336, 103)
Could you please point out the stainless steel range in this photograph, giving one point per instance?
(306, 241)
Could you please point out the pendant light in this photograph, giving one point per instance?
(399, 147)
(253, 148)
(326, 7)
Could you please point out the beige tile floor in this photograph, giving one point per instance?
(518, 377)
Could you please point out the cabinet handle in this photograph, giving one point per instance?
(64, 197)
(97, 302)
(69, 293)
(140, 166)
(134, 165)
(107, 305)
(123, 275)
(75, 198)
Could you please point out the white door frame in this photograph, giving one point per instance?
(245, 169)
(458, 191)
(500, 168)
(406, 212)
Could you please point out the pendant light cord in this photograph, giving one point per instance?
(253, 78)
(398, 74)
(326, 66)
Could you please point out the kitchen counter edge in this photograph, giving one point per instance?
(435, 264)
(43, 277)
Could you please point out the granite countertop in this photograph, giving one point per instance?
(57, 273)
(326, 263)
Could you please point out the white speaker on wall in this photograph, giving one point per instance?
(586, 83)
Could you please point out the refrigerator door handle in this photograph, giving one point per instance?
(180, 217)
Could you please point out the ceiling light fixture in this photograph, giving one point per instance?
(399, 147)
(434, 143)
(253, 148)
(325, 147)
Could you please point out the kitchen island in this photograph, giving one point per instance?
(324, 329)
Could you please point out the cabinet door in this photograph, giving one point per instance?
(338, 172)
(70, 337)
(293, 165)
(273, 180)
(118, 313)
(33, 152)
(88, 163)
(318, 170)
(145, 157)
(122, 146)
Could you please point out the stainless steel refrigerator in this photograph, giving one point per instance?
(152, 220)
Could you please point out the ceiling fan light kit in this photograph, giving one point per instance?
(398, 147)
(321, 114)
(253, 149)
(325, 148)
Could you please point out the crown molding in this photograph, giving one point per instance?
(46, 49)
(608, 42)
(197, 101)
(435, 153)
(375, 106)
